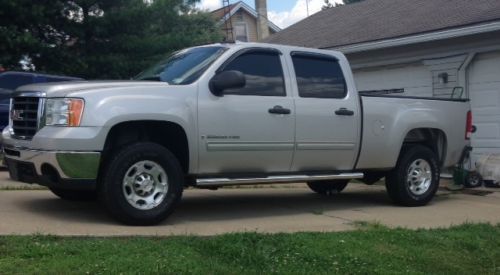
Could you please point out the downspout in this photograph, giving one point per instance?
(464, 82)
(463, 73)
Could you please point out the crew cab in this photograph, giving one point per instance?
(228, 114)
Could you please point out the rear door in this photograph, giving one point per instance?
(327, 115)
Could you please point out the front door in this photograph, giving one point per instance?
(328, 116)
(248, 130)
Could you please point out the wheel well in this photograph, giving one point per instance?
(170, 135)
(434, 139)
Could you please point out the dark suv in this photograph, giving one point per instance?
(9, 81)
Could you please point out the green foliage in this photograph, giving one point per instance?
(99, 38)
(373, 249)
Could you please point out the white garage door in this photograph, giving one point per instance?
(415, 79)
(484, 89)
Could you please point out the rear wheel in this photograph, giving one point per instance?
(142, 184)
(328, 187)
(415, 179)
(74, 195)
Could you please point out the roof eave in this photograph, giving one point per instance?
(418, 38)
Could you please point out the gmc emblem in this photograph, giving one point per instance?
(17, 114)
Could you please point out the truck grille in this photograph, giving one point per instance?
(24, 115)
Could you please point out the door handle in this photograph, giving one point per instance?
(344, 112)
(279, 110)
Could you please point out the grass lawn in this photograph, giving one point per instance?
(466, 249)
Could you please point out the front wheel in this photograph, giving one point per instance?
(415, 179)
(143, 184)
(328, 187)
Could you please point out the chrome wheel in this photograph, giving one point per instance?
(419, 176)
(145, 185)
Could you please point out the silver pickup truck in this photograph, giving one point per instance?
(228, 114)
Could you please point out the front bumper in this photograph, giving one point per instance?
(66, 169)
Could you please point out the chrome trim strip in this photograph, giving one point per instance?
(69, 164)
(29, 94)
(240, 146)
(325, 146)
(40, 113)
(215, 182)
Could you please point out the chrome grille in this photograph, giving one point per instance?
(24, 115)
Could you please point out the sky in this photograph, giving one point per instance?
(281, 12)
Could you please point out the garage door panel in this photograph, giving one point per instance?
(487, 130)
(484, 93)
(485, 68)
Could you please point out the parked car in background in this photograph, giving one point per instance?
(11, 80)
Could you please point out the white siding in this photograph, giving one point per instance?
(415, 79)
(484, 91)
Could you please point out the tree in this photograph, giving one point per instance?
(99, 38)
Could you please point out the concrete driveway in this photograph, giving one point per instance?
(283, 208)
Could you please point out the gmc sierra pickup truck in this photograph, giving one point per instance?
(228, 114)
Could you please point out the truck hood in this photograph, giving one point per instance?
(61, 89)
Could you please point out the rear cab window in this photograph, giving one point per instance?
(318, 76)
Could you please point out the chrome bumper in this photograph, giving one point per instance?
(69, 165)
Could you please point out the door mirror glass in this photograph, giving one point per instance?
(226, 80)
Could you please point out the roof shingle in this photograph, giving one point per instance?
(373, 20)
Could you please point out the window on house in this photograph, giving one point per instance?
(239, 16)
(240, 32)
(263, 73)
(318, 76)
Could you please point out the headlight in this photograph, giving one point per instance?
(64, 111)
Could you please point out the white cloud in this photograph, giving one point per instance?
(299, 11)
(209, 5)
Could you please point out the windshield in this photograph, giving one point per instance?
(183, 67)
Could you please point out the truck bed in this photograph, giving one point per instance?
(388, 122)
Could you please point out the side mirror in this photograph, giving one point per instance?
(226, 80)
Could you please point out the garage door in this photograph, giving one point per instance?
(415, 79)
(484, 89)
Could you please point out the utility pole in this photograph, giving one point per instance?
(307, 7)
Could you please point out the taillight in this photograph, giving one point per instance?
(468, 126)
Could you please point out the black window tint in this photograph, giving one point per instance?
(263, 72)
(319, 77)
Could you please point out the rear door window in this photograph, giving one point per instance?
(319, 76)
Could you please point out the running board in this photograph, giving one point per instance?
(216, 182)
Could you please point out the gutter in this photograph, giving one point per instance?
(419, 38)
(463, 75)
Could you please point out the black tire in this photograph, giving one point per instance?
(473, 180)
(112, 192)
(328, 187)
(74, 195)
(397, 185)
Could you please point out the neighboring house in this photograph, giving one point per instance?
(421, 48)
(244, 21)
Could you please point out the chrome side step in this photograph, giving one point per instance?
(217, 182)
